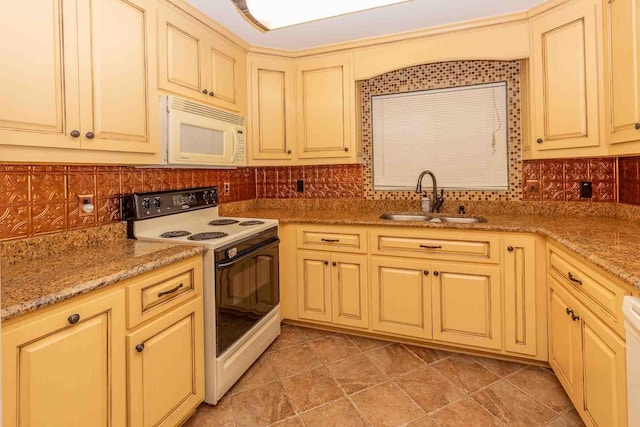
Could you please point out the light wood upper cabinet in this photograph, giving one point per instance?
(39, 75)
(325, 105)
(467, 304)
(196, 62)
(116, 40)
(622, 70)
(88, 84)
(401, 297)
(565, 73)
(271, 97)
(59, 371)
(164, 384)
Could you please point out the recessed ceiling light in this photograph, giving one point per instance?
(273, 14)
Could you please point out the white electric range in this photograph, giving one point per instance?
(241, 275)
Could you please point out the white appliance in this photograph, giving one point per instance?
(194, 134)
(241, 275)
(631, 310)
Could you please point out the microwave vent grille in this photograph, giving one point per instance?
(203, 110)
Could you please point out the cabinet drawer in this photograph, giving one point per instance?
(452, 246)
(599, 293)
(158, 291)
(337, 239)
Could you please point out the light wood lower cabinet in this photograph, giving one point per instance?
(588, 358)
(401, 297)
(76, 365)
(66, 368)
(333, 287)
(164, 384)
(467, 305)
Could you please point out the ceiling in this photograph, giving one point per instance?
(413, 15)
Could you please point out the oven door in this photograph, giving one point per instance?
(247, 289)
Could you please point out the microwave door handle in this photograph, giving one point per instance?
(228, 264)
(235, 145)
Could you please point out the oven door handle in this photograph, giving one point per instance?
(267, 245)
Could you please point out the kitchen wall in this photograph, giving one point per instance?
(42, 199)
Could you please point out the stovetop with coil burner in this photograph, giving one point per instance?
(187, 216)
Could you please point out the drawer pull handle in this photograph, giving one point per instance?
(140, 348)
(569, 311)
(170, 291)
(74, 318)
(574, 279)
(330, 240)
(574, 317)
(431, 246)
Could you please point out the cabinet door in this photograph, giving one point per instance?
(181, 47)
(116, 85)
(520, 295)
(466, 305)
(271, 109)
(350, 296)
(400, 297)
(604, 374)
(622, 70)
(223, 66)
(56, 374)
(166, 367)
(314, 286)
(39, 74)
(324, 107)
(564, 340)
(565, 78)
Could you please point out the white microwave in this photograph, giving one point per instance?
(194, 134)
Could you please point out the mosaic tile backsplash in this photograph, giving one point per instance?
(42, 199)
(447, 75)
(629, 179)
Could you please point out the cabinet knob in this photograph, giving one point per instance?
(211, 93)
(346, 148)
(288, 151)
(334, 263)
(326, 263)
(74, 318)
(435, 273)
(510, 248)
(90, 135)
(574, 317)
(637, 126)
(425, 272)
(75, 133)
(539, 140)
(569, 311)
(205, 91)
(140, 348)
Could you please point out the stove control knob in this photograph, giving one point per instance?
(192, 199)
(146, 204)
(157, 202)
(232, 252)
(206, 197)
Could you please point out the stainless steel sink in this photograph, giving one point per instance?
(405, 216)
(431, 218)
(459, 219)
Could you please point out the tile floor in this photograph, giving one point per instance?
(313, 378)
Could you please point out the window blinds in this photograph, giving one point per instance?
(460, 134)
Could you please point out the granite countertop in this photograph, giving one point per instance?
(31, 284)
(612, 244)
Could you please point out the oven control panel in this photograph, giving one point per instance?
(150, 205)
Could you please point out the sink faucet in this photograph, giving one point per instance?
(437, 201)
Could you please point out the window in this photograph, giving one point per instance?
(460, 134)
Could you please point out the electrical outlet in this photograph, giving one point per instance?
(531, 186)
(586, 190)
(86, 206)
(300, 186)
(226, 188)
